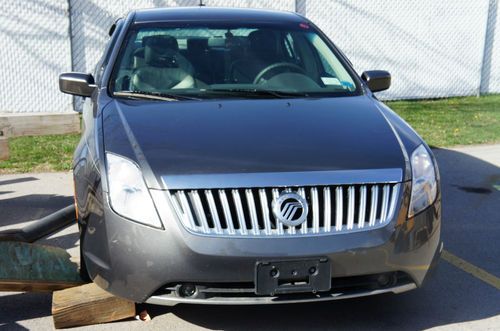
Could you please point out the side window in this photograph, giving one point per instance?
(289, 48)
(103, 62)
(327, 68)
(332, 71)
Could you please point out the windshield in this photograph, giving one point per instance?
(184, 62)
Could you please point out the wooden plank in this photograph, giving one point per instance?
(36, 124)
(35, 286)
(88, 304)
(4, 148)
(33, 267)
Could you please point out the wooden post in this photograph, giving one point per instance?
(88, 304)
(4, 148)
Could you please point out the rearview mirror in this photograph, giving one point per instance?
(77, 83)
(377, 80)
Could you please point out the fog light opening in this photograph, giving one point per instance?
(386, 280)
(187, 291)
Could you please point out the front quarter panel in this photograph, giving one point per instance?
(409, 137)
(88, 169)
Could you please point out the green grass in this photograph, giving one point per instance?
(454, 121)
(443, 122)
(40, 154)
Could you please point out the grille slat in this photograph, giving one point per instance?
(374, 205)
(239, 212)
(291, 229)
(385, 203)
(213, 211)
(253, 211)
(303, 227)
(187, 210)
(315, 209)
(327, 211)
(362, 207)
(265, 211)
(339, 206)
(199, 212)
(394, 196)
(350, 209)
(281, 229)
(227, 211)
(249, 212)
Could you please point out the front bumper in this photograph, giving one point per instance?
(168, 300)
(137, 262)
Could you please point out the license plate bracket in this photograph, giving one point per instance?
(293, 276)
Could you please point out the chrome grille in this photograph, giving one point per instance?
(248, 212)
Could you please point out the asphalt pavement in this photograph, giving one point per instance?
(463, 294)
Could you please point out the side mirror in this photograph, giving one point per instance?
(377, 80)
(77, 83)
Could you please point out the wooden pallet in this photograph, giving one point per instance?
(33, 267)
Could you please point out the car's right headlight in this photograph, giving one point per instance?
(128, 194)
(424, 182)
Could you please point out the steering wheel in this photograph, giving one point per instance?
(281, 65)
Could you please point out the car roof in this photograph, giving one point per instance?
(215, 14)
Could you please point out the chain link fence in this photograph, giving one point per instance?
(432, 48)
(34, 49)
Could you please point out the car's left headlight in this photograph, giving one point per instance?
(128, 194)
(424, 182)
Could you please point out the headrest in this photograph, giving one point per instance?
(263, 43)
(160, 50)
(197, 45)
(162, 41)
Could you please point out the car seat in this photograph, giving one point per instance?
(164, 67)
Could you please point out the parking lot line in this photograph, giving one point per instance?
(477, 272)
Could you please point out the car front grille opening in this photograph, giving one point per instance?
(342, 285)
(249, 212)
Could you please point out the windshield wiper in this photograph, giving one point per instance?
(257, 92)
(154, 95)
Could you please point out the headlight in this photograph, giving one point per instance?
(128, 193)
(424, 184)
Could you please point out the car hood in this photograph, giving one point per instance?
(186, 139)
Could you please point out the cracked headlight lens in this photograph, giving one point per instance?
(424, 183)
(128, 194)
